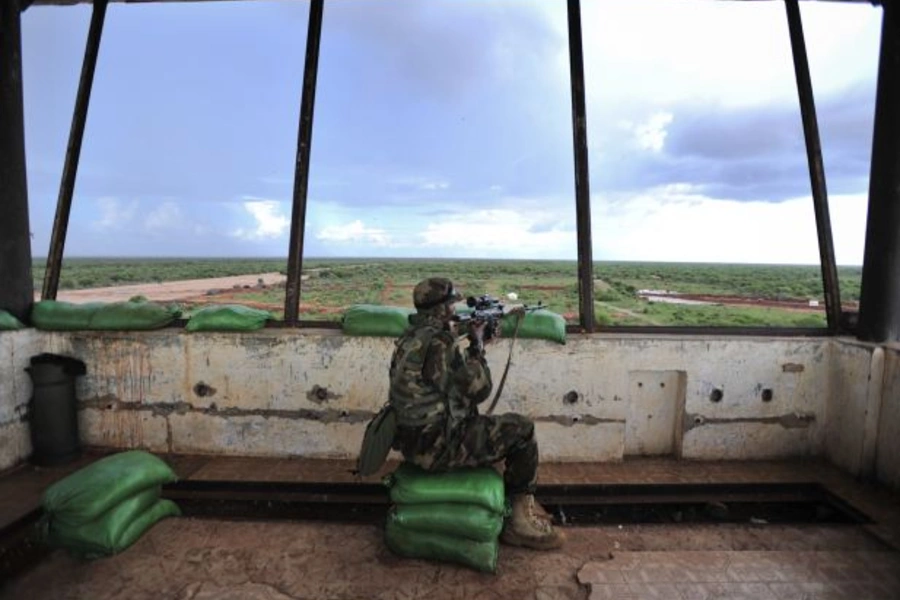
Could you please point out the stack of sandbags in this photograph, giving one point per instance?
(456, 516)
(105, 507)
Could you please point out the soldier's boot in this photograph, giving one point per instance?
(541, 513)
(525, 528)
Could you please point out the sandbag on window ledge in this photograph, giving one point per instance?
(9, 322)
(539, 324)
(375, 320)
(228, 317)
(52, 315)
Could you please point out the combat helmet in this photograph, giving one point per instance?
(433, 292)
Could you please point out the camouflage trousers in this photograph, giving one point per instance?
(476, 441)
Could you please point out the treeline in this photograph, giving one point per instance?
(613, 280)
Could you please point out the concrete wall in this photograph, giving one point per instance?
(847, 403)
(863, 414)
(16, 348)
(887, 465)
(278, 392)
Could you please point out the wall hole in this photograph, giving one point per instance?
(570, 397)
(767, 395)
(716, 395)
(201, 389)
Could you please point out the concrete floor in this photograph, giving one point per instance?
(182, 558)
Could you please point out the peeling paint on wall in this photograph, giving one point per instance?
(16, 350)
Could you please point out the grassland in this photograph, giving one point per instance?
(330, 285)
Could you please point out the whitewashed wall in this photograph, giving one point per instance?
(284, 393)
(16, 348)
(288, 393)
(597, 398)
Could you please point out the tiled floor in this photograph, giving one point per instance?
(204, 559)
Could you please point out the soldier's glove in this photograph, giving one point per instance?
(476, 339)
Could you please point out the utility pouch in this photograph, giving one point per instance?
(377, 441)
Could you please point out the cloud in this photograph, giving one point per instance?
(114, 213)
(753, 153)
(465, 134)
(166, 217)
(673, 224)
(651, 134)
(507, 232)
(354, 232)
(270, 221)
(443, 49)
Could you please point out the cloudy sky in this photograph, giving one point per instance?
(443, 129)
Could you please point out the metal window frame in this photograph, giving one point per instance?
(587, 321)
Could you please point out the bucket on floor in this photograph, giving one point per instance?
(53, 409)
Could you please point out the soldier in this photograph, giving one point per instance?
(435, 387)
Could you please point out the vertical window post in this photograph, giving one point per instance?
(16, 294)
(582, 177)
(301, 171)
(73, 153)
(816, 167)
(879, 304)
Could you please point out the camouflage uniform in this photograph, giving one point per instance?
(436, 387)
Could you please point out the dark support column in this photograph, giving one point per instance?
(582, 177)
(879, 306)
(16, 287)
(301, 172)
(816, 167)
(73, 153)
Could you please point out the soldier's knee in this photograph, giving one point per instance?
(524, 425)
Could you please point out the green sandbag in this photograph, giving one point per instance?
(127, 316)
(370, 319)
(89, 492)
(106, 530)
(459, 520)
(435, 546)
(481, 486)
(228, 317)
(536, 324)
(539, 324)
(117, 530)
(8, 322)
(51, 315)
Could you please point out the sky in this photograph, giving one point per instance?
(444, 129)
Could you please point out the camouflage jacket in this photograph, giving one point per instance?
(431, 378)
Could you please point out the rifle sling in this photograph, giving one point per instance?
(512, 344)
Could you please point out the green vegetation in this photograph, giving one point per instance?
(742, 295)
(81, 273)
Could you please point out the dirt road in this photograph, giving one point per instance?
(168, 291)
